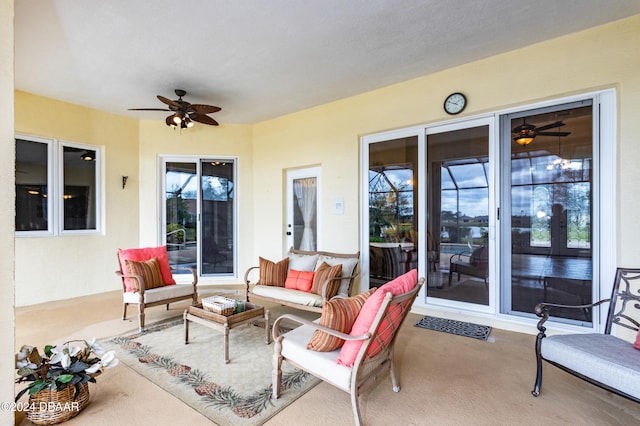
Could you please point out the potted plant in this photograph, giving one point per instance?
(59, 378)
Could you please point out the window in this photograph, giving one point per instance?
(57, 187)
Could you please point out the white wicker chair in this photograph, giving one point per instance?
(370, 362)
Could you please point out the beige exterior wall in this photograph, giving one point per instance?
(226, 140)
(7, 167)
(328, 135)
(603, 57)
(61, 267)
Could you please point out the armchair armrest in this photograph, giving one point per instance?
(193, 274)
(325, 285)
(278, 337)
(137, 278)
(542, 310)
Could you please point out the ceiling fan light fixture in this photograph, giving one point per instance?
(188, 122)
(87, 156)
(177, 118)
(523, 140)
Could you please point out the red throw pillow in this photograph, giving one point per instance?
(146, 253)
(299, 280)
(402, 284)
(637, 342)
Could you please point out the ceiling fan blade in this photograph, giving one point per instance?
(149, 109)
(169, 101)
(204, 119)
(550, 126)
(205, 109)
(553, 133)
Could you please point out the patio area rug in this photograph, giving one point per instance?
(238, 393)
(459, 328)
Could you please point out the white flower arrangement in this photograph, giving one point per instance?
(61, 366)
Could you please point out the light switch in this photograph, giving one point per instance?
(338, 205)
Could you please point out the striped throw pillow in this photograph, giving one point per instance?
(339, 315)
(323, 273)
(149, 270)
(272, 273)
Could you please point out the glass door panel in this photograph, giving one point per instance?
(217, 238)
(393, 213)
(303, 189)
(551, 210)
(458, 215)
(181, 192)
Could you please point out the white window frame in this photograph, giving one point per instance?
(55, 187)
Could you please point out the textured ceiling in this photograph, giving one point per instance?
(260, 59)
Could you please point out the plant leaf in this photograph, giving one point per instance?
(78, 366)
(37, 386)
(64, 378)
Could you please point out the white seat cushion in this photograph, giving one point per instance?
(160, 293)
(288, 295)
(323, 364)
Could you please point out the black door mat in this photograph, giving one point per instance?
(459, 328)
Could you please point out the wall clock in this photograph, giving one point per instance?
(455, 103)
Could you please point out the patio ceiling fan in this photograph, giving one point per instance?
(184, 113)
(525, 133)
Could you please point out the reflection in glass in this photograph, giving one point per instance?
(551, 201)
(393, 230)
(458, 215)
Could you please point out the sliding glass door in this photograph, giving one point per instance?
(549, 225)
(393, 211)
(199, 215)
(458, 239)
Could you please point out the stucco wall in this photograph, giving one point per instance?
(226, 140)
(602, 57)
(7, 166)
(61, 267)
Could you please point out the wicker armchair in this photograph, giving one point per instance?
(374, 357)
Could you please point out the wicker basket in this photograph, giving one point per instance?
(49, 407)
(219, 305)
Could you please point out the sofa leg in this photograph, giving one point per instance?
(124, 311)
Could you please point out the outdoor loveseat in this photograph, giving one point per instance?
(303, 279)
(604, 359)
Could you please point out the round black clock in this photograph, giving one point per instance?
(455, 103)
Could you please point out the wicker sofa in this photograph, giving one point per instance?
(306, 261)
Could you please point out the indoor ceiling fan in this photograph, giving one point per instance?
(184, 113)
(525, 133)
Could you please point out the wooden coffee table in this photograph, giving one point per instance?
(224, 323)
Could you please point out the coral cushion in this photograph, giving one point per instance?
(324, 273)
(148, 270)
(146, 253)
(272, 273)
(338, 315)
(299, 280)
(636, 344)
(402, 284)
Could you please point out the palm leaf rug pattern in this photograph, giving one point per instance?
(213, 394)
